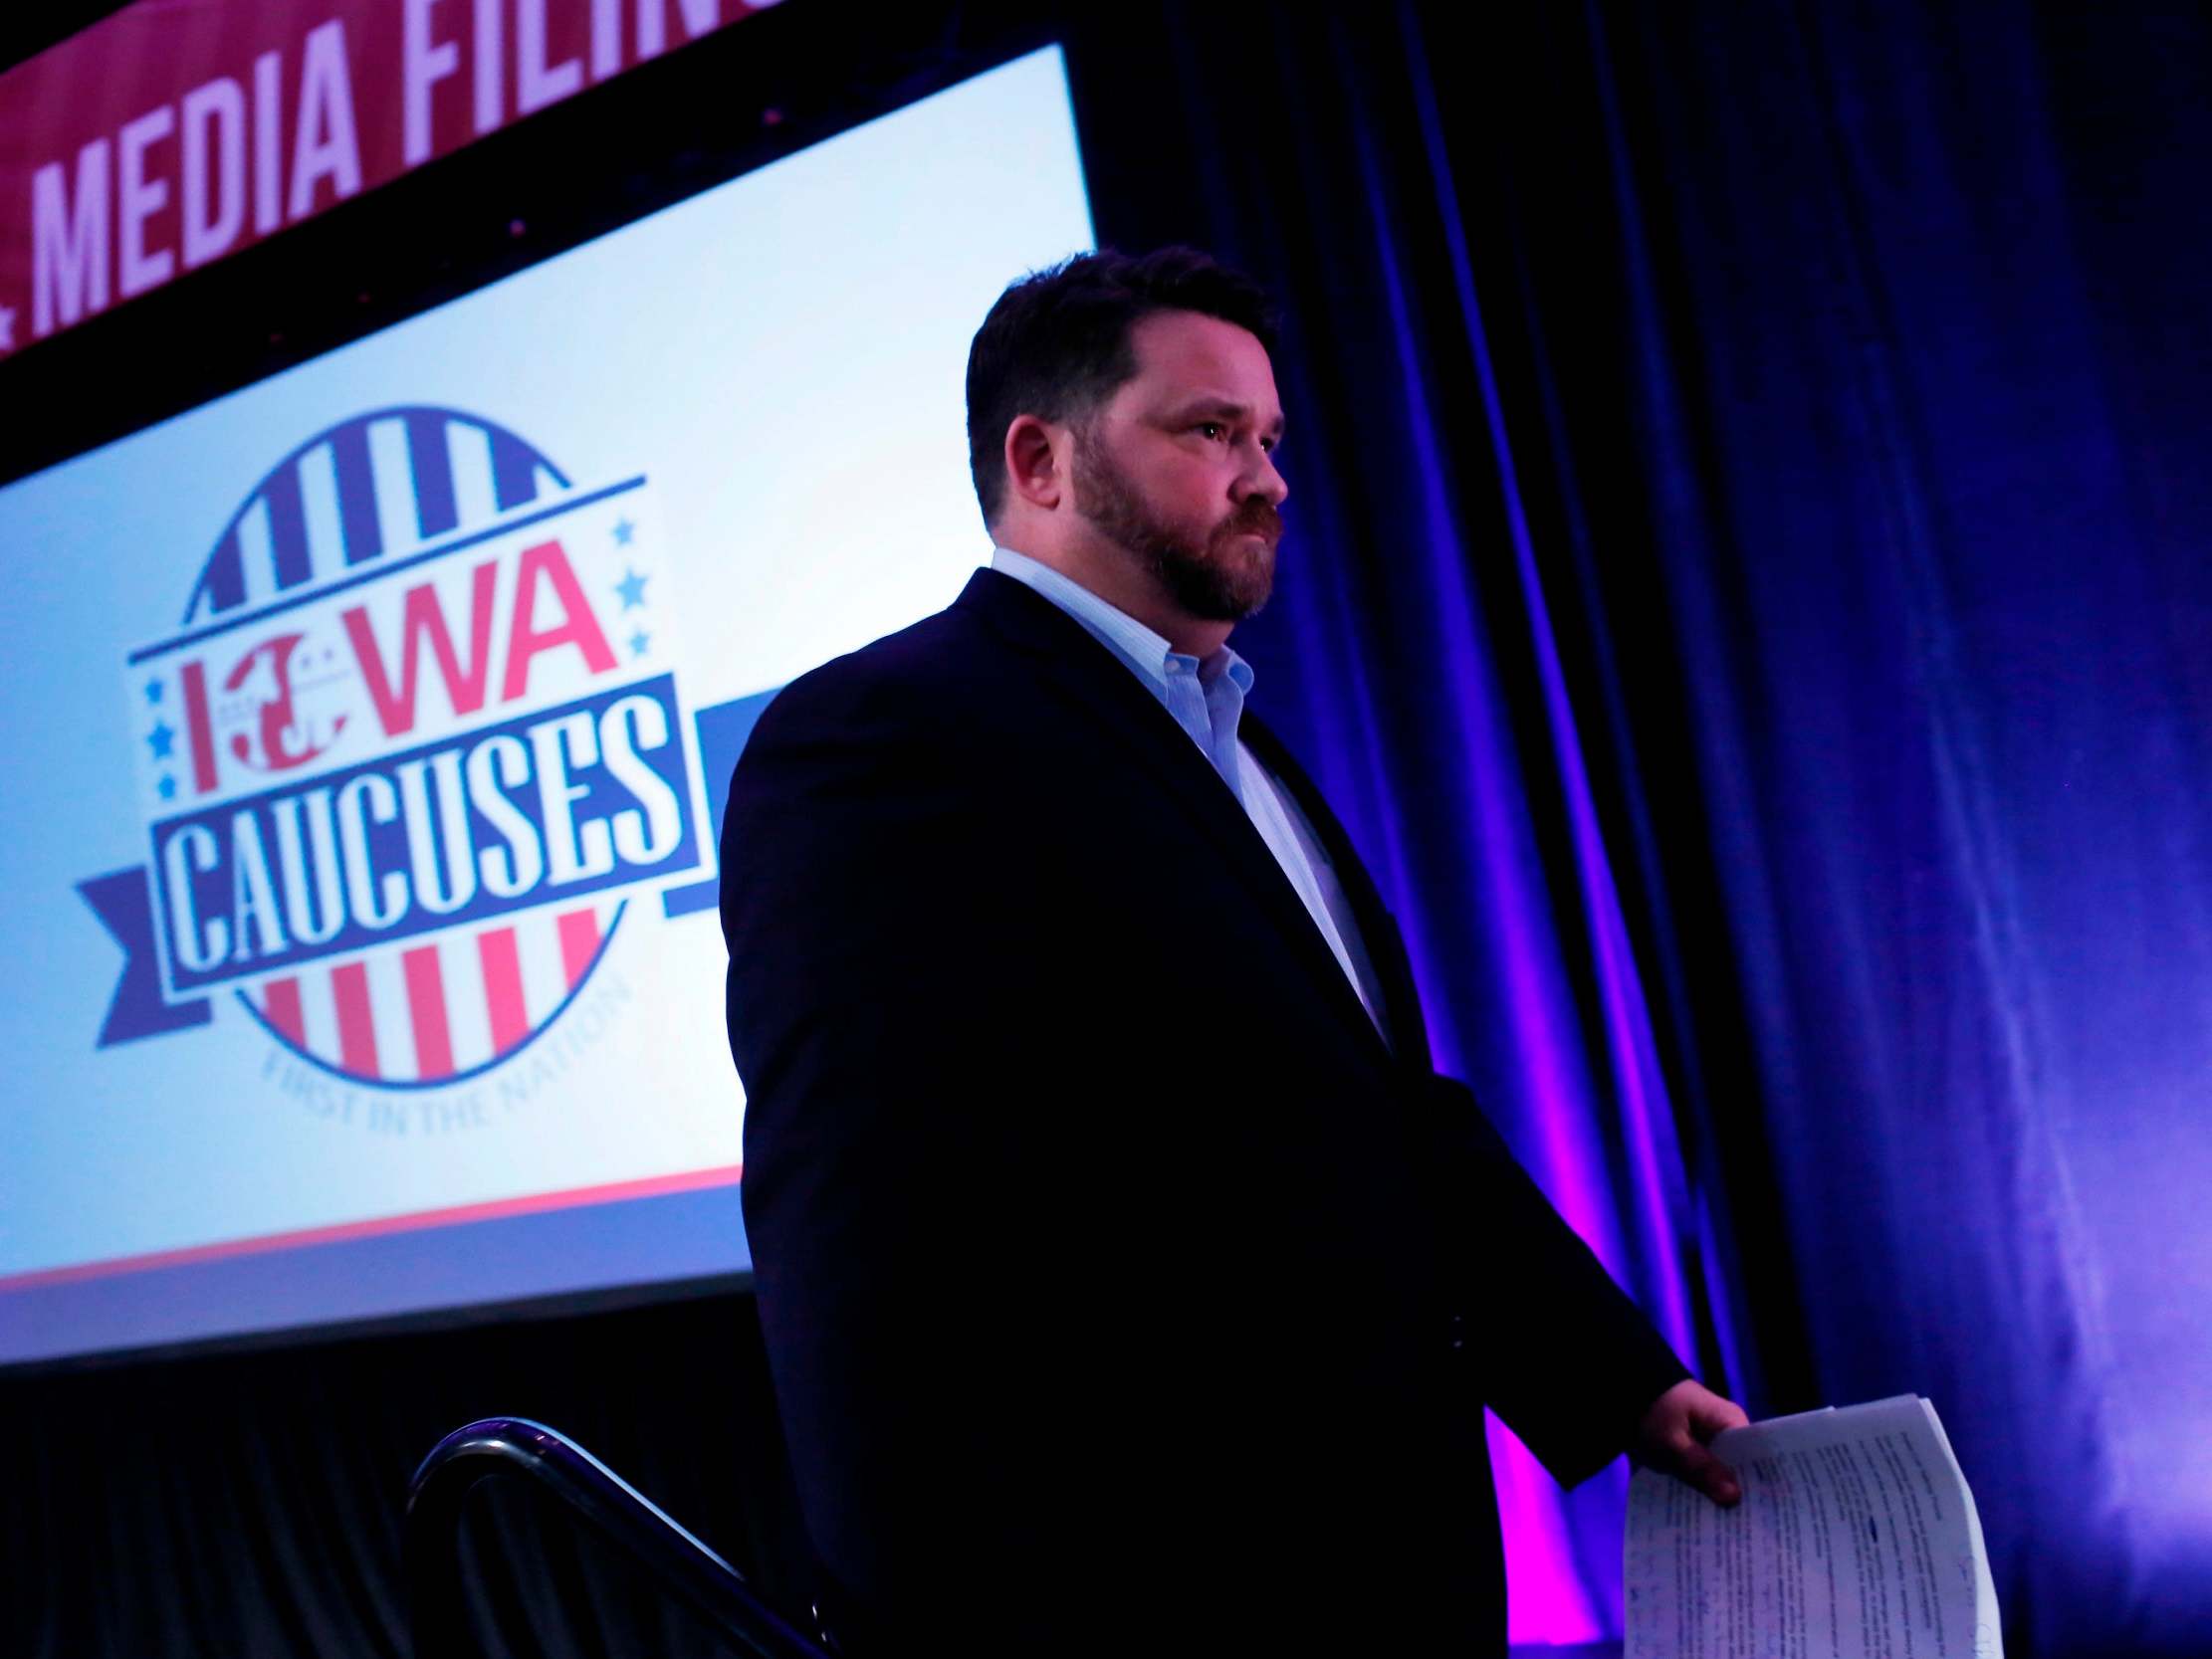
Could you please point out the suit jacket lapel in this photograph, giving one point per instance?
(1064, 654)
(1379, 931)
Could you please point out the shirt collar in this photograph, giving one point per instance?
(1146, 651)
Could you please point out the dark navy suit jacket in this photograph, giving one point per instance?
(1122, 1289)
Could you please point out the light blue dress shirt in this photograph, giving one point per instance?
(1207, 699)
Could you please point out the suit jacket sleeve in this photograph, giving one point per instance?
(1569, 1361)
(1565, 1357)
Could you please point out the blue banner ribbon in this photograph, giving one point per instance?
(124, 902)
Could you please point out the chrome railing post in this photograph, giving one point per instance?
(437, 1599)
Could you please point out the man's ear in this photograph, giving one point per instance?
(1034, 469)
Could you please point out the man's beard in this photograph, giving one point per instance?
(1218, 580)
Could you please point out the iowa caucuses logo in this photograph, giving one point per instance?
(416, 751)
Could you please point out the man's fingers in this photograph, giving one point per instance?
(1708, 1474)
(1674, 1433)
(1716, 1415)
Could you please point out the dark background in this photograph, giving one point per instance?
(1750, 565)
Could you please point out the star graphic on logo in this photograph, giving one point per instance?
(163, 739)
(153, 691)
(639, 641)
(623, 531)
(167, 788)
(632, 589)
(7, 329)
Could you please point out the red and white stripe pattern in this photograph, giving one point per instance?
(439, 1007)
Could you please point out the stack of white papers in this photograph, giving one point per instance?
(1857, 1538)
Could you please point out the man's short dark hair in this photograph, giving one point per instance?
(1056, 344)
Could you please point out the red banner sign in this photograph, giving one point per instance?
(177, 131)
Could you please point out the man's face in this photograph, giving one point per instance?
(1176, 468)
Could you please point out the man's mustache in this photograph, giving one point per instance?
(1255, 518)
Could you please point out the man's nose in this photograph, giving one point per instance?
(1260, 478)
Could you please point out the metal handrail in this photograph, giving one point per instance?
(502, 1445)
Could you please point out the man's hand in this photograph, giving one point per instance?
(1672, 1436)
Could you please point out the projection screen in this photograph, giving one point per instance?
(374, 721)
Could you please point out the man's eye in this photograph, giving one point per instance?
(1210, 430)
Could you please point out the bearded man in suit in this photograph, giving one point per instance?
(1130, 1281)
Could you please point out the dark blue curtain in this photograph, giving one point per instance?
(1749, 596)
(1934, 417)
